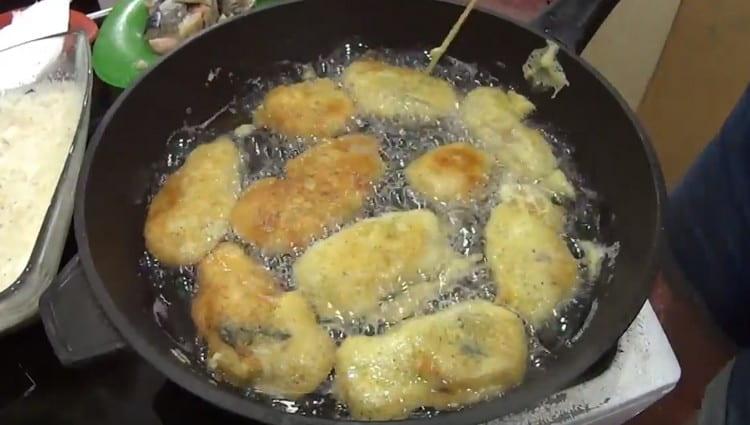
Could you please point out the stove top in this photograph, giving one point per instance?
(123, 389)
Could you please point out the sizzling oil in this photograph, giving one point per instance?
(264, 155)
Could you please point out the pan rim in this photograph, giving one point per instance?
(474, 413)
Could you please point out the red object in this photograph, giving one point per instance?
(78, 22)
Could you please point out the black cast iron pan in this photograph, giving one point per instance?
(611, 151)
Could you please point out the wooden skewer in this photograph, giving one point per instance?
(438, 52)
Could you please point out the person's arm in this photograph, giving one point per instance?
(708, 224)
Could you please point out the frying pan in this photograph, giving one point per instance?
(100, 303)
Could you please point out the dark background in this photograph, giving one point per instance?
(86, 6)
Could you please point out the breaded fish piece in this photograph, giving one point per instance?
(495, 119)
(536, 201)
(351, 162)
(528, 155)
(310, 108)
(326, 186)
(190, 213)
(297, 354)
(490, 111)
(347, 276)
(387, 91)
(530, 262)
(454, 357)
(256, 333)
(454, 172)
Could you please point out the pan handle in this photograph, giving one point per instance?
(574, 22)
(74, 322)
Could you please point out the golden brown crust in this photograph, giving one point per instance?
(233, 289)
(388, 91)
(190, 213)
(347, 163)
(456, 356)
(454, 172)
(310, 108)
(530, 262)
(325, 187)
(346, 275)
(494, 118)
(256, 333)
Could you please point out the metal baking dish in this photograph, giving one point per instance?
(19, 302)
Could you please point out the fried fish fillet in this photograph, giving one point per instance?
(490, 111)
(347, 276)
(256, 333)
(325, 186)
(536, 201)
(190, 213)
(388, 91)
(495, 119)
(530, 262)
(310, 108)
(454, 357)
(351, 162)
(454, 172)
(527, 154)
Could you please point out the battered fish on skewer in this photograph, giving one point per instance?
(494, 118)
(530, 262)
(310, 108)
(256, 333)
(457, 356)
(190, 213)
(348, 276)
(455, 172)
(325, 186)
(387, 91)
